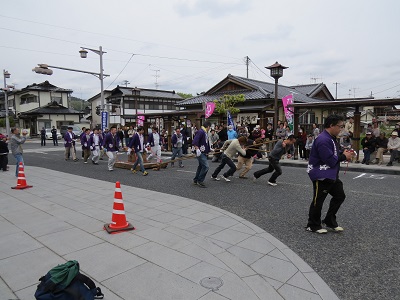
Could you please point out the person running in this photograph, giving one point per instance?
(201, 148)
(154, 141)
(323, 170)
(281, 147)
(253, 148)
(95, 142)
(137, 144)
(111, 144)
(230, 148)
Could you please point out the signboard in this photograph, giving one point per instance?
(249, 118)
(104, 120)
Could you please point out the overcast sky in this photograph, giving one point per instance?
(190, 45)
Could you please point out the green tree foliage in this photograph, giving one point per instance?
(3, 122)
(78, 104)
(228, 102)
(185, 96)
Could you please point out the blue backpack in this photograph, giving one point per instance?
(65, 282)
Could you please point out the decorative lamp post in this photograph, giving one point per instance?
(276, 72)
(103, 109)
(6, 75)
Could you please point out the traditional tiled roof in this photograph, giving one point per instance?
(150, 93)
(44, 86)
(258, 90)
(51, 108)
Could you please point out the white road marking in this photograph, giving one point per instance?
(186, 171)
(370, 176)
(360, 175)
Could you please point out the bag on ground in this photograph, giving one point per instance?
(65, 282)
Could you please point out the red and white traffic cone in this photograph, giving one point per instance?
(118, 219)
(21, 182)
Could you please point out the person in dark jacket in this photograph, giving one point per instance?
(3, 153)
(252, 149)
(223, 133)
(43, 137)
(323, 170)
(137, 145)
(381, 143)
(54, 136)
(177, 143)
(368, 145)
(281, 147)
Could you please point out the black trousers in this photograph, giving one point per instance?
(55, 141)
(42, 141)
(3, 162)
(321, 190)
(225, 161)
(273, 165)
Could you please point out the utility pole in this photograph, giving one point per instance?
(247, 66)
(336, 83)
(125, 82)
(156, 76)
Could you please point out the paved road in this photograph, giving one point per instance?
(361, 263)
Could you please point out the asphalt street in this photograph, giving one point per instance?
(360, 263)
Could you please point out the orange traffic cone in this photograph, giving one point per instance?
(21, 182)
(118, 220)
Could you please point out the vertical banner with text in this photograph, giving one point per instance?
(288, 114)
(104, 120)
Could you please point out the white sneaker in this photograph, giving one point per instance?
(337, 229)
(254, 178)
(272, 183)
(320, 231)
(226, 179)
(215, 178)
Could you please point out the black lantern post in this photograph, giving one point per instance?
(276, 72)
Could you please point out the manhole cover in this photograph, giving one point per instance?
(212, 283)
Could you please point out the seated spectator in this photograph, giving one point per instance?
(393, 147)
(381, 146)
(368, 145)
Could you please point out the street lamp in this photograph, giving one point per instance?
(6, 75)
(276, 72)
(104, 111)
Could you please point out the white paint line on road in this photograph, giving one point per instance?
(186, 171)
(371, 176)
(360, 175)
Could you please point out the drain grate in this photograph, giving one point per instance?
(212, 283)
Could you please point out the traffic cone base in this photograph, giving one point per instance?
(21, 182)
(111, 230)
(118, 220)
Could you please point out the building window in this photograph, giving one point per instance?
(28, 99)
(56, 99)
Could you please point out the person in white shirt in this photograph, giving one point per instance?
(155, 143)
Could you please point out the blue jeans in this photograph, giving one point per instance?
(367, 155)
(176, 152)
(18, 158)
(202, 169)
(139, 160)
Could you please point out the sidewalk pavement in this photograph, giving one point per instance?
(181, 248)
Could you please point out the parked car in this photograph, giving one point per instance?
(75, 129)
(49, 135)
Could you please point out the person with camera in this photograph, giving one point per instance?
(16, 142)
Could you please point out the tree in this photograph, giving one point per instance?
(78, 104)
(227, 103)
(185, 96)
(3, 122)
